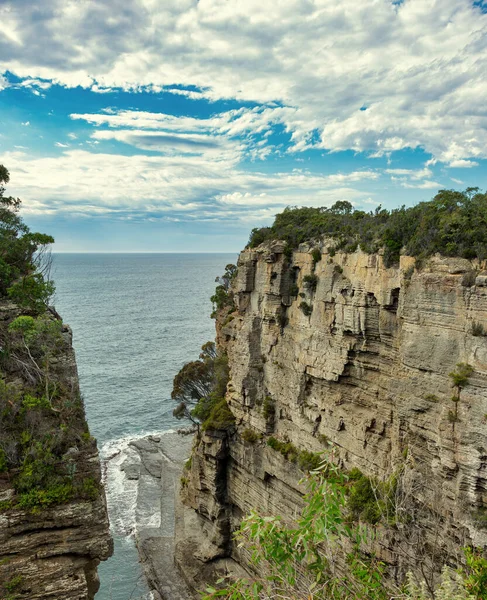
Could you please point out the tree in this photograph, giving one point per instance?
(223, 295)
(24, 256)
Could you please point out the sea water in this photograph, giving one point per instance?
(136, 319)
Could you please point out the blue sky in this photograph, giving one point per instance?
(179, 125)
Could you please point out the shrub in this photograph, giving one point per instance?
(316, 254)
(452, 416)
(468, 279)
(310, 282)
(306, 309)
(478, 329)
(282, 319)
(452, 223)
(33, 402)
(338, 269)
(220, 417)
(461, 376)
(331, 251)
(223, 296)
(251, 436)
(269, 410)
(32, 292)
(3, 461)
(309, 461)
(294, 290)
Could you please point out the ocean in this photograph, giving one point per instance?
(136, 319)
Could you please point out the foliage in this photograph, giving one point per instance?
(24, 256)
(316, 254)
(307, 461)
(269, 410)
(370, 500)
(293, 290)
(461, 376)
(200, 387)
(302, 562)
(310, 282)
(306, 308)
(223, 295)
(220, 416)
(453, 223)
(298, 560)
(251, 436)
(478, 329)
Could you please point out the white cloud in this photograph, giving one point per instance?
(184, 187)
(411, 173)
(423, 185)
(60, 145)
(463, 164)
(417, 68)
(26, 123)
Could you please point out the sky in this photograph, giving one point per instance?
(179, 125)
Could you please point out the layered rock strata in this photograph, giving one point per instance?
(53, 552)
(355, 358)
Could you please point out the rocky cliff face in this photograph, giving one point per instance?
(365, 373)
(49, 549)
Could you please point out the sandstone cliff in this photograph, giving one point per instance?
(357, 360)
(52, 536)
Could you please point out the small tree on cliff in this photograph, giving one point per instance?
(223, 295)
(200, 385)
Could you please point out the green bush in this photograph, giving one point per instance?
(316, 254)
(310, 282)
(452, 223)
(251, 436)
(307, 461)
(306, 308)
(37, 499)
(269, 410)
(220, 417)
(478, 330)
(3, 461)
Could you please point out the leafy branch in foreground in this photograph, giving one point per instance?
(323, 556)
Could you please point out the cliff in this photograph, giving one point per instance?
(54, 526)
(339, 352)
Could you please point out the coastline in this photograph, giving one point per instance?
(151, 467)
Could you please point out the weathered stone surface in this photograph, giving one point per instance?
(157, 465)
(368, 370)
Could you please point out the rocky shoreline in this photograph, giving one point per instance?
(156, 463)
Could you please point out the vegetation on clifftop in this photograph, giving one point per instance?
(452, 223)
(42, 424)
(24, 256)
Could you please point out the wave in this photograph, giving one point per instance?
(121, 492)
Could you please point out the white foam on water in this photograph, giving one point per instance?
(121, 492)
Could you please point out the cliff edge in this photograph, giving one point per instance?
(335, 351)
(54, 526)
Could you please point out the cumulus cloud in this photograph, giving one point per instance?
(184, 187)
(375, 76)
